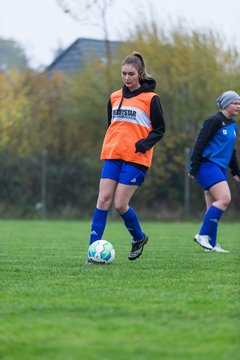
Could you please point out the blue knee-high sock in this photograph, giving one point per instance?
(132, 224)
(213, 240)
(210, 223)
(99, 221)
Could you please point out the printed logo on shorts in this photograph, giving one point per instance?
(134, 180)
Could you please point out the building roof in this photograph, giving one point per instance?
(71, 60)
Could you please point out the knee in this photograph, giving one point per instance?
(225, 201)
(120, 207)
(104, 202)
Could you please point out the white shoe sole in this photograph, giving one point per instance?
(217, 251)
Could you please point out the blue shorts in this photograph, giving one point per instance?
(210, 174)
(122, 172)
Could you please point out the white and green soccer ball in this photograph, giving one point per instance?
(101, 251)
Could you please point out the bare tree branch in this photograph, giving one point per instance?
(92, 12)
(88, 12)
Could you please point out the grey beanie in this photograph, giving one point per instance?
(227, 98)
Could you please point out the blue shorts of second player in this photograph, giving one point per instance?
(122, 172)
(210, 174)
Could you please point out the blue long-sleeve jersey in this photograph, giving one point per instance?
(215, 142)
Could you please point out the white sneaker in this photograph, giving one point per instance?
(203, 241)
(217, 248)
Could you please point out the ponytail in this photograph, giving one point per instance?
(138, 61)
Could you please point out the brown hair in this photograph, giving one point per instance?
(138, 61)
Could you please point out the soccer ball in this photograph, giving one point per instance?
(101, 251)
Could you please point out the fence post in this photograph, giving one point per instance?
(187, 183)
(44, 182)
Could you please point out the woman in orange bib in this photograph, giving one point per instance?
(135, 125)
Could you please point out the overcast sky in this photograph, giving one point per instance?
(41, 26)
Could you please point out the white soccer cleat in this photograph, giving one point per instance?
(203, 241)
(217, 248)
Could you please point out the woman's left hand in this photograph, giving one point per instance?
(236, 178)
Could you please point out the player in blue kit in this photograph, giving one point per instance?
(212, 154)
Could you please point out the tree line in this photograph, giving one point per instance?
(65, 118)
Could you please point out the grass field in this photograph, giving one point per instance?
(175, 302)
